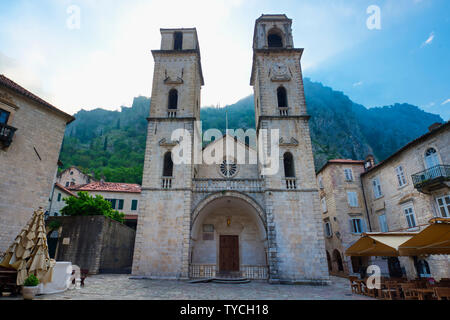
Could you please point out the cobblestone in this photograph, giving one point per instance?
(121, 287)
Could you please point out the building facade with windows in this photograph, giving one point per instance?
(344, 213)
(226, 217)
(409, 188)
(399, 194)
(73, 176)
(57, 200)
(31, 134)
(124, 197)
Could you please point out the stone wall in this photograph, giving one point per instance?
(28, 166)
(96, 243)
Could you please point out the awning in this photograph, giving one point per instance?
(434, 239)
(382, 244)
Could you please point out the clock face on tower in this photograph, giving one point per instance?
(228, 168)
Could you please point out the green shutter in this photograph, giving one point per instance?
(134, 204)
(120, 204)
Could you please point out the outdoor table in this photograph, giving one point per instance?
(360, 283)
(422, 292)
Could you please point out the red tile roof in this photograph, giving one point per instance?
(6, 82)
(108, 186)
(65, 189)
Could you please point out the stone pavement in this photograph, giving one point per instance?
(120, 287)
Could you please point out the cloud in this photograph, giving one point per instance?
(357, 84)
(428, 41)
(446, 101)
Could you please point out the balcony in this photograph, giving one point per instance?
(6, 134)
(432, 179)
(214, 185)
(166, 182)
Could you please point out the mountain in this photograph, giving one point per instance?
(111, 144)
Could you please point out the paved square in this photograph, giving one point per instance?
(120, 287)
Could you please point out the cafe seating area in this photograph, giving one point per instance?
(403, 289)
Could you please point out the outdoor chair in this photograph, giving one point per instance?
(391, 290)
(408, 291)
(354, 286)
(84, 274)
(442, 292)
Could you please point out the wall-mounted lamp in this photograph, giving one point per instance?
(228, 221)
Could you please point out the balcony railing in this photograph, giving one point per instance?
(172, 113)
(284, 111)
(166, 182)
(431, 178)
(6, 134)
(291, 183)
(213, 185)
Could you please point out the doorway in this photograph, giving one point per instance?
(228, 253)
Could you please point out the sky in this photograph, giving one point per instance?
(86, 54)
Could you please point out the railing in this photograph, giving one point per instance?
(166, 182)
(422, 178)
(212, 185)
(291, 183)
(6, 134)
(255, 272)
(172, 113)
(202, 271)
(283, 111)
(209, 271)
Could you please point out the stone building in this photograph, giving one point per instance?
(73, 176)
(124, 197)
(409, 188)
(344, 212)
(31, 133)
(199, 219)
(401, 194)
(57, 199)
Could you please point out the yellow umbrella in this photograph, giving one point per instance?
(379, 244)
(434, 239)
(29, 252)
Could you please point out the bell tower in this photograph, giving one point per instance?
(163, 230)
(295, 235)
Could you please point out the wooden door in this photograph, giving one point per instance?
(229, 253)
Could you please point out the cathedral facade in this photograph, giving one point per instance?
(202, 219)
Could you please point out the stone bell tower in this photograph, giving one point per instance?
(163, 231)
(295, 235)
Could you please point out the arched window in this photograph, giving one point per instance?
(178, 41)
(274, 39)
(282, 97)
(173, 99)
(288, 160)
(431, 158)
(168, 165)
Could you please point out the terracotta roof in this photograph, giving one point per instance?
(410, 144)
(65, 189)
(341, 161)
(8, 83)
(108, 186)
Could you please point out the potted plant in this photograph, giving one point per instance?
(30, 287)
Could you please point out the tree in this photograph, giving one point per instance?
(86, 205)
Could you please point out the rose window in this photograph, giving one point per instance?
(228, 168)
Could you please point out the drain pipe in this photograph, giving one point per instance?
(365, 202)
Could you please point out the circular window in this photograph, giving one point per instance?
(228, 168)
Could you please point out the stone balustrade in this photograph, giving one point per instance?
(213, 185)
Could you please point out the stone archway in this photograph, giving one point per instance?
(228, 235)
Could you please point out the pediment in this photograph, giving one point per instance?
(290, 143)
(164, 143)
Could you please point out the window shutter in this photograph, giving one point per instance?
(351, 226)
(363, 225)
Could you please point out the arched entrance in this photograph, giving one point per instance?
(338, 260)
(228, 238)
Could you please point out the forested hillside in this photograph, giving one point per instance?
(112, 143)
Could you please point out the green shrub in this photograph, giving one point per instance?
(87, 205)
(31, 281)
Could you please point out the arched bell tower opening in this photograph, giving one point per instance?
(228, 238)
(275, 38)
